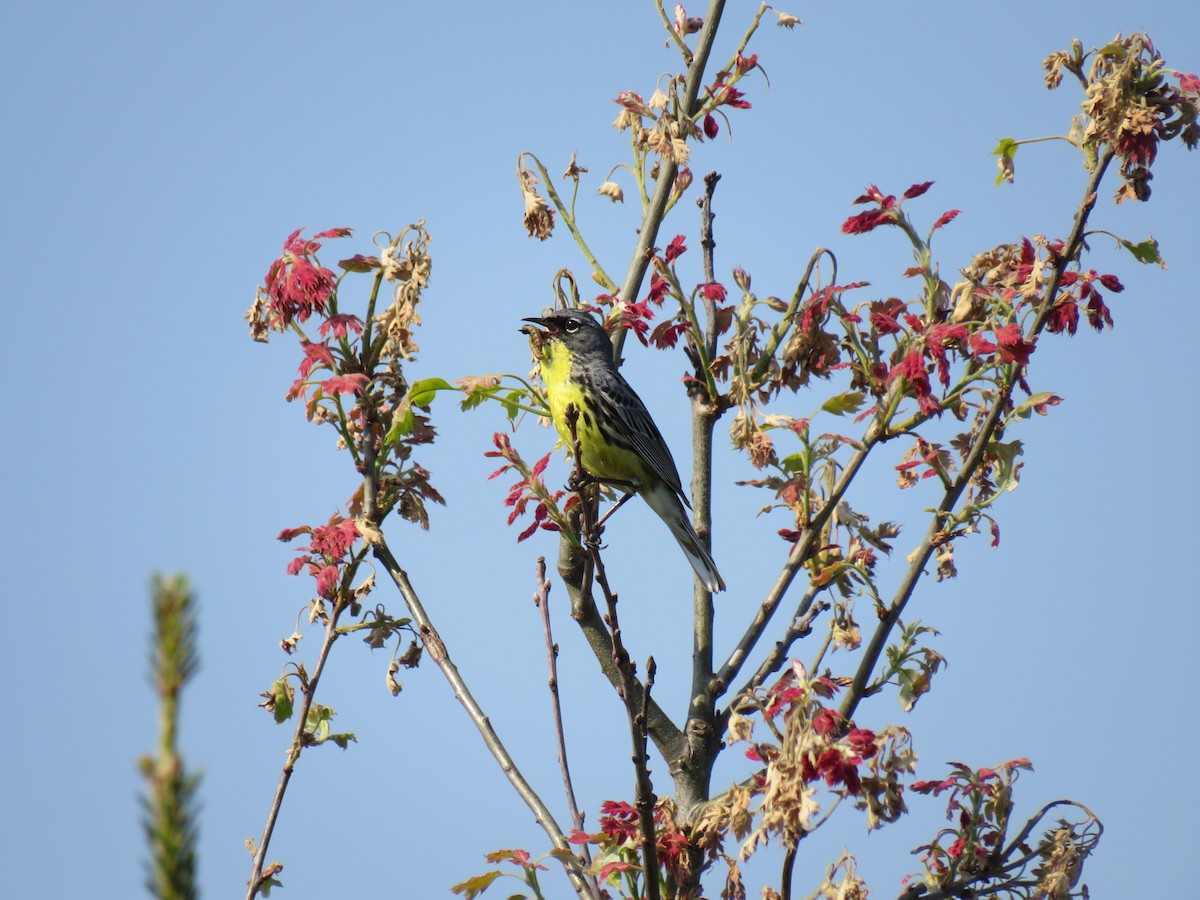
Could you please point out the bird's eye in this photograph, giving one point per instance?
(571, 327)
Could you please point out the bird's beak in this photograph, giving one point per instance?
(536, 335)
(525, 329)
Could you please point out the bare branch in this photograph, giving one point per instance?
(542, 600)
(436, 648)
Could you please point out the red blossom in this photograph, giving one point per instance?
(875, 195)
(671, 844)
(1042, 408)
(295, 286)
(867, 221)
(713, 291)
(884, 315)
(520, 857)
(342, 324)
(1097, 312)
(745, 63)
(659, 287)
(613, 868)
(937, 340)
(666, 334)
(334, 540)
(913, 369)
(1064, 317)
(836, 769)
(636, 317)
(1188, 83)
(863, 742)
(314, 354)
(1012, 345)
(825, 722)
(917, 190)
(331, 233)
(980, 345)
(619, 820)
(727, 95)
(945, 218)
(345, 384)
(675, 249)
(327, 581)
(711, 128)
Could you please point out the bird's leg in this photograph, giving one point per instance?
(581, 478)
(618, 505)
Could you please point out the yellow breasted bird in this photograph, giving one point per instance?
(619, 441)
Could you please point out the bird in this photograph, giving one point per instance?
(618, 440)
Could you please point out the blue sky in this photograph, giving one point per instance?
(158, 155)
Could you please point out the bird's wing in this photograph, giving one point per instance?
(632, 421)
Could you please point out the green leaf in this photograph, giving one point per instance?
(1006, 147)
(473, 887)
(795, 462)
(423, 391)
(1146, 252)
(402, 423)
(1027, 407)
(913, 683)
(283, 700)
(840, 404)
(1006, 467)
(343, 738)
(1006, 150)
(510, 401)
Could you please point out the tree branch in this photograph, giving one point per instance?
(542, 600)
(437, 651)
(635, 705)
(695, 768)
(667, 169)
(308, 690)
(975, 455)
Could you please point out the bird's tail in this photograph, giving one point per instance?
(667, 504)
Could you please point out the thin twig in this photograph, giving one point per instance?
(801, 626)
(308, 690)
(802, 549)
(436, 648)
(789, 868)
(575, 571)
(667, 169)
(975, 455)
(541, 599)
(635, 705)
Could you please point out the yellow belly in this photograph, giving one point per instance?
(601, 456)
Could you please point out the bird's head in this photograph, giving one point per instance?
(573, 328)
